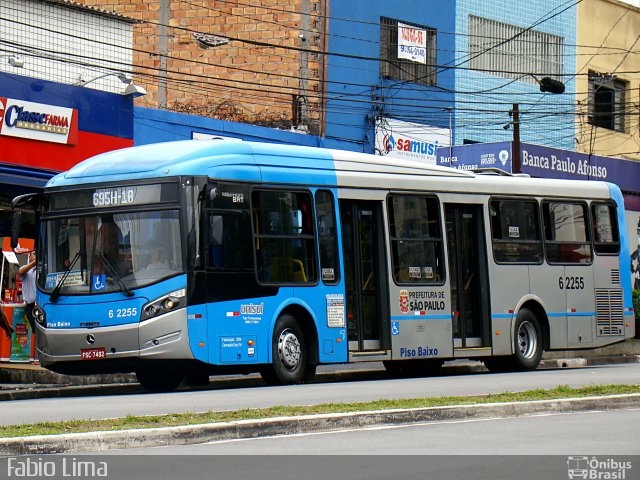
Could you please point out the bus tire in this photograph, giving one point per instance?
(159, 380)
(527, 341)
(289, 354)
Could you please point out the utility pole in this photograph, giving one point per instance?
(547, 85)
(515, 154)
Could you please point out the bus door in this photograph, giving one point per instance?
(365, 277)
(468, 275)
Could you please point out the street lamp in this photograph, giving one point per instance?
(14, 60)
(550, 85)
(130, 89)
(547, 85)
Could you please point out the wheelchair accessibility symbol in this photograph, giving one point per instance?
(99, 282)
(395, 328)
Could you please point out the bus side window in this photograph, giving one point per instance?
(327, 237)
(284, 236)
(416, 239)
(567, 237)
(515, 231)
(229, 242)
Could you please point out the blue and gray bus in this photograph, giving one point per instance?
(187, 259)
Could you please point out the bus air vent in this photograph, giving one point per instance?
(615, 276)
(609, 311)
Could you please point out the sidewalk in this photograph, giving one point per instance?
(23, 380)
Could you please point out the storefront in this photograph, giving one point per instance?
(45, 128)
(48, 127)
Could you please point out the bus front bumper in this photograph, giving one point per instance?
(161, 338)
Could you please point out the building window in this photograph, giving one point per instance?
(607, 97)
(513, 52)
(400, 68)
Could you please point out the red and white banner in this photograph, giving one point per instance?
(412, 43)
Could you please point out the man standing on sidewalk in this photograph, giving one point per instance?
(28, 275)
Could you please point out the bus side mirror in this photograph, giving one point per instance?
(15, 228)
(216, 230)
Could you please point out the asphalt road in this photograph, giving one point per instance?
(590, 433)
(111, 406)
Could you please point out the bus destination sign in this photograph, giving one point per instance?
(114, 197)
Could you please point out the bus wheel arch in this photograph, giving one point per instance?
(531, 324)
(293, 348)
(541, 315)
(528, 340)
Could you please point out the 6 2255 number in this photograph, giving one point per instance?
(571, 283)
(123, 312)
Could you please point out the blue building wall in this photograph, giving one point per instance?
(545, 119)
(153, 126)
(354, 30)
(356, 94)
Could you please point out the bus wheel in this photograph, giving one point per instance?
(159, 380)
(289, 354)
(527, 341)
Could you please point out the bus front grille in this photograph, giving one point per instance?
(609, 312)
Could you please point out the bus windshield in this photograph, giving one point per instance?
(109, 252)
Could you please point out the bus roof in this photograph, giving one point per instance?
(274, 163)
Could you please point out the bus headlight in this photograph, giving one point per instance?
(39, 315)
(164, 304)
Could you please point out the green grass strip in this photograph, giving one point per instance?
(175, 419)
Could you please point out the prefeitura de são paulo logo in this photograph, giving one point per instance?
(404, 301)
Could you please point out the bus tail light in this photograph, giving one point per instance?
(164, 304)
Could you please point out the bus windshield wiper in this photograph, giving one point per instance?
(114, 273)
(56, 291)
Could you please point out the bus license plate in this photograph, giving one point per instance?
(93, 353)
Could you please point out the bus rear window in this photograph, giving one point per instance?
(605, 228)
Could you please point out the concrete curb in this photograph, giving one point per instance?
(194, 434)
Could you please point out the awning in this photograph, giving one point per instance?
(23, 176)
